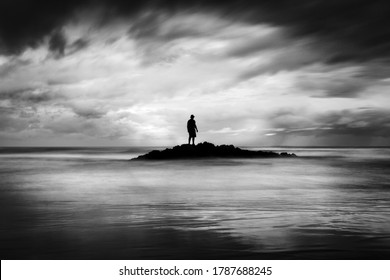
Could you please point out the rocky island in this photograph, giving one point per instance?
(208, 150)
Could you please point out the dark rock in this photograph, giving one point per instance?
(208, 150)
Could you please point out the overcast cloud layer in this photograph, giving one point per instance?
(252, 72)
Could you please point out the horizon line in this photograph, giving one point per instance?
(167, 146)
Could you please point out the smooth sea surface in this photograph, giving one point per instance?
(93, 203)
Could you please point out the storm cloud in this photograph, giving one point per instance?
(356, 29)
(253, 72)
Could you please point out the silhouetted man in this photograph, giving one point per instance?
(192, 130)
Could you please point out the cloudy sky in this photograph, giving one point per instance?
(120, 72)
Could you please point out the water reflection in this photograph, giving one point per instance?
(306, 208)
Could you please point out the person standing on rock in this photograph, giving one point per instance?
(192, 130)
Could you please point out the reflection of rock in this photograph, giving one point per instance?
(209, 150)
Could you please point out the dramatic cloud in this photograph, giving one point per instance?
(360, 27)
(57, 44)
(96, 72)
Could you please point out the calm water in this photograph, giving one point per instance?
(95, 204)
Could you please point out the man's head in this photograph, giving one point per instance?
(192, 116)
